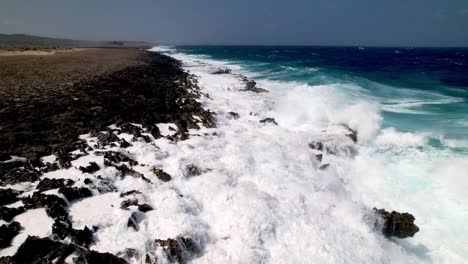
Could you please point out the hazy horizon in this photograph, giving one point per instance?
(430, 23)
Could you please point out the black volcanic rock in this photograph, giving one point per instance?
(7, 213)
(251, 86)
(8, 196)
(82, 237)
(163, 176)
(222, 71)
(394, 224)
(112, 158)
(180, 250)
(16, 172)
(7, 233)
(75, 193)
(268, 120)
(43, 250)
(49, 184)
(91, 168)
(144, 208)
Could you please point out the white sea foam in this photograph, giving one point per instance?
(282, 209)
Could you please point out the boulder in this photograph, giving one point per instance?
(49, 184)
(112, 158)
(91, 168)
(7, 214)
(222, 71)
(83, 237)
(44, 250)
(251, 86)
(180, 250)
(75, 193)
(144, 208)
(395, 224)
(7, 233)
(163, 176)
(233, 115)
(268, 120)
(8, 196)
(193, 170)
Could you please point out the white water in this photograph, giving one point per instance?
(265, 200)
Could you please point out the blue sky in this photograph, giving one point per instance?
(267, 22)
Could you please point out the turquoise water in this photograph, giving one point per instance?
(419, 90)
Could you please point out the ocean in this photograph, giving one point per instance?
(409, 107)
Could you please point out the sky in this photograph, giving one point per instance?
(244, 22)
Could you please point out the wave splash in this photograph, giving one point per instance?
(278, 205)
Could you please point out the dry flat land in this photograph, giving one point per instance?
(47, 101)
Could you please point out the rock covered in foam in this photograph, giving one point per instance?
(44, 250)
(180, 250)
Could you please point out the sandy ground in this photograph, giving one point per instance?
(4, 53)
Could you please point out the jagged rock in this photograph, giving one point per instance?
(251, 86)
(134, 220)
(64, 159)
(128, 254)
(127, 203)
(94, 257)
(144, 208)
(222, 71)
(352, 134)
(87, 181)
(43, 250)
(234, 115)
(180, 250)
(16, 172)
(155, 132)
(49, 184)
(61, 228)
(106, 138)
(8, 196)
(91, 168)
(83, 237)
(124, 143)
(54, 205)
(395, 224)
(75, 193)
(130, 129)
(268, 120)
(163, 176)
(112, 158)
(193, 170)
(319, 157)
(125, 170)
(8, 232)
(7, 213)
(324, 166)
(316, 145)
(130, 193)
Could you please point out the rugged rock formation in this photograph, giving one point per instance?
(394, 224)
(8, 232)
(251, 86)
(179, 250)
(163, 176)
(268, 120)
(222, 71)
(44, 250)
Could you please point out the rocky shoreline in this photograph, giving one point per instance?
(64, 150)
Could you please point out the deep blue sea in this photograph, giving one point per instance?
(419, 89)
